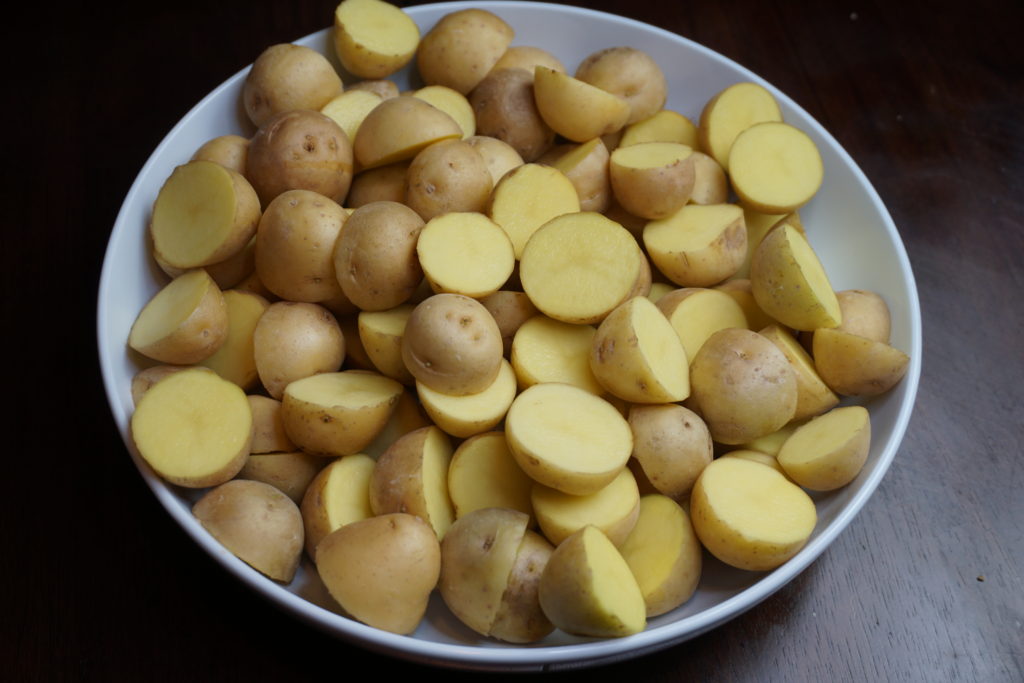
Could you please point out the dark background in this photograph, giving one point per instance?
(926, 584)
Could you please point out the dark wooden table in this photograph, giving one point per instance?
(927, 584)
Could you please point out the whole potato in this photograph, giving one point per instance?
(293, 340)
(286, 77)
(445, 177)
(461, 48)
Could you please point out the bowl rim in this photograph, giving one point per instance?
(497, 656)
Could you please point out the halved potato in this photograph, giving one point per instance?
(697, 313)
(339, 494)
(775, 167)
(613, 509)
(398, 128)
(185, 322)
(549, 350)
(698, 245)
(857, 366)
(465, 253)
(235, 360)
(373, 39)
(381, 335)
(729, 113)
(575, 109)
(290, 473)
(829, 451)
(462, 48)
(529, 196)
(652, 180)
(484, 474)
(293, 340)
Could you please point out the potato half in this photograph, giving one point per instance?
(373, 39)
(185, 322)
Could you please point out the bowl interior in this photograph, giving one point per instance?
(847, 224)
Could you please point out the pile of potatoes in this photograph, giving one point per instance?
(520, 336)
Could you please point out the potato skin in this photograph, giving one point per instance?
(448, 176)
(462, 48)
(505, 109)
(629, 73)
(286, 77)
(294, 340)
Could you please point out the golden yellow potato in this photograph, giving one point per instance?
(381, 183)
(398, 128)
(586, 166)
(289, 473)
(382, 570)
(293, 340)
(529, 196)
(349, 109)
(462, 48)
(499, 156)
(483, 474)
(381, 335)
(710, 184)
(185, 322)
(629, 73)
(828, 452)
(268, 434)
(287, 77)
(864, 314)
(698, 245)
(588, 589)
(446, 177)
(750, 516)
(235, 360)
(193, 428)
(229, 151)
(549, 350)
(743, 386)
(373, 39)
(857, 366)
(257, 523)
(662, 126)
(613, 509)
(652, 179)
(664, 554)
(147, 377)
(339, 494)
(775, 167)
(510, 310)
(697, 313)
(729, 113)
(813, 397)
(526, 57)
(464, 416)
(506, 109)
(672, 445)
(383, 87)
(575, 109)
(453, 103)
(520, 618)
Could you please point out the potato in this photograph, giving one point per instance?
(338, 413)
(300, 150)
(147, 377)
(464, 416)
(698, 246)
(339, 494)
(652, 180)
(529, 196)
(750, 516)
(742, 293)
(813, 397)
(229, 151)
(588, 589)
(462, 48)
(268, 434)
(758, 225)
(293, 340)
(448, 176)
(382, 570)
(629, 73)
(729, 113)
(373, 39)
(193, 428)
(408, 416)
(289, 473)
(520, 618)
(295, 246)
(742, 386)
(790, 284)
(662, 126)
(664, 554)
(381, 335)
(499, 156)
(375, 256)
(203, 214)
(697, 313)
(452, 345)
(575, 109)
(350, 108)
(185, 322)
(229, 273)
(382, 87)
(526, 57)
(864, 314)
(637, 355)
(235, 360)
(287, 77)
(381, 183)
(477, 555)
(483, 474)
(613, 509)
(775, 167)
(586, 166)
(857, 366)
(828, 452)
(453, 103)
(710, 184)
(548, 350)
(506, 109)
(465, 253)
(672, 445)
(257, 523)
(412, 476)
(578, 267)
(758, 457)
(510, 310)
(398, 128)
(566, 438)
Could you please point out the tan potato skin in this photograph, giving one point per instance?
(506, 109)
(672, 445)
(445, 177)
(294, 340)
(230, 151)
(286, 77)
(198, 336)
(462, 48)
(629, 73)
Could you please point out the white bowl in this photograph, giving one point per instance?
(847, 225)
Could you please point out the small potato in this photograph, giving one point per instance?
(300, 150)
(465, 253)
(698, 246)
(529, 196)
(382, 570)
(506, 109)
(464, 416)
(373, 39)
(775, 167)
(663, 126)
(448, 176)
(147, 377)
(587, 166)
(235, 360)
(452, 103)
(382, 87)
(294, 340)
(864, 314)
(398, 128)
(629, 73)
(575, 109)
(382, 183)
(857, 366)
(295, 246)
(375, 256)
(510, 309)
(452, 345)
(527, 57)
(520, 618)
(339, 494)
(257, 523)
(813, 397)
(286, 77)
(672, 446)
(350, 108)
(549, 350)
(381, 335)
(289, 473)
(229, 151)
(652, 179)
(499, 156)
(185, 322)
(697, 313)
(268, 434)
(828, 452)
(461, 48)
(729, 113)
(742, 385)
(483, 474)
(613, 509)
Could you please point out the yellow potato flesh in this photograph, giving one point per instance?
(193, 428)
(483, 474)
(381, 335)
(235, 360)
(696, 314)
(373, 39)
(790, 284)
(453, 103)
(350, 108)
(775, 167)
(465, 253)
(194, 214)
(813, 395)
(169, 312)
(578, 267)
(548, 350)
(665, 126)
(731, 112)
(338, 495)
(829, 451)
(470, 414)
(527, 198)
(567, 438)
(750, 516)
(613, 509)
(575, 109)
(698, 245)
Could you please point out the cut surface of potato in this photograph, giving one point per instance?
(698, 245)
(775, 167)
(193, 428)
(588, 589)
(203, 214)
(453, 103)
(381, 334)
(575, 109)
(857, 366)
(349, 109)
(813, 397)
(185, 322)
(339, 494)
(527, 198)
(465, 253)
(697, 313)
(567, 438)
(464, 416)
(548, 350)
(578, 267)
(612, 509)
(750, 516)
(235, 360)
(663, 126)
(829, 451)
(729, 113)
(373, 39)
